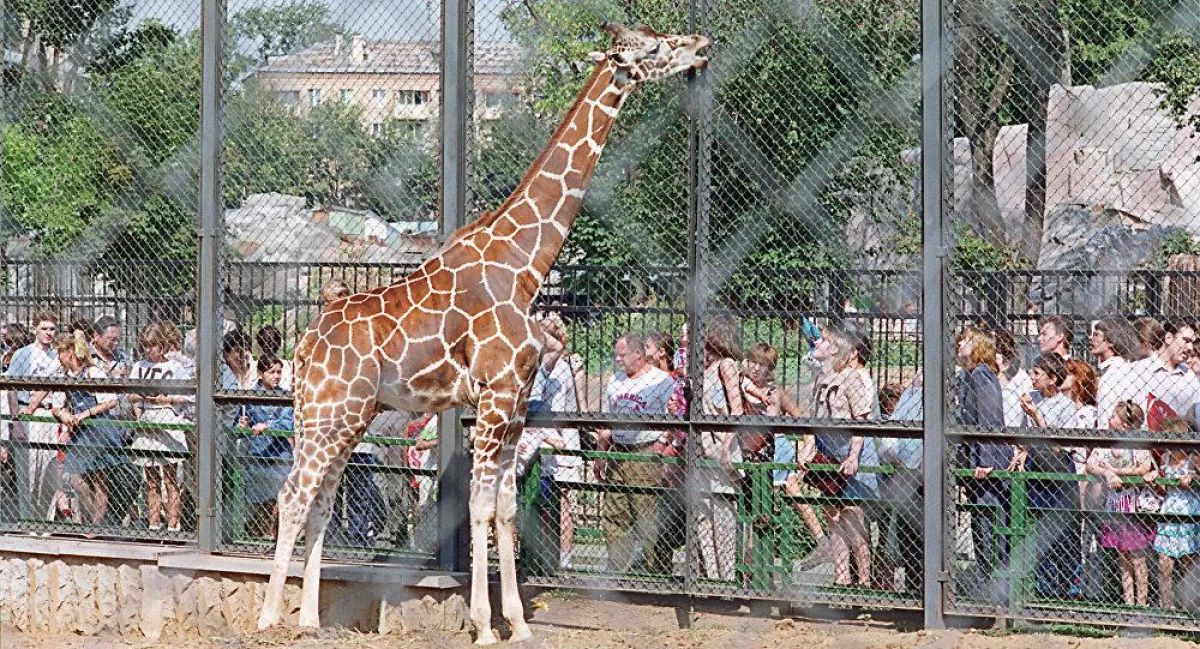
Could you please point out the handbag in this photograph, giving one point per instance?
(829, 483)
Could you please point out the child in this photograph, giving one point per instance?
(271, 454)
(1176, 539)
(1126, 534)
(160, 470)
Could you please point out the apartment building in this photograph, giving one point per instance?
(389, 80)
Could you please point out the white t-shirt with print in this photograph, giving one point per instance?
(645, 395)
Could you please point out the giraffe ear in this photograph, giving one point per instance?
(598, 57)
(647, 30)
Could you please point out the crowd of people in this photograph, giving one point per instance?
(122, 462)
(1144, 378)
(646, 529)
(108, 459)
(1141, 375)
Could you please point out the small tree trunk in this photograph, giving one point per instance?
(1046, 58)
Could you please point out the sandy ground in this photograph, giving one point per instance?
(564, 620)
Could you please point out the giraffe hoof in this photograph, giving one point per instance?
(520, 633)
(486, 637)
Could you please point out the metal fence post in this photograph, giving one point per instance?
(699, 140)
(208, 321)
(457, 89)
(932, 264)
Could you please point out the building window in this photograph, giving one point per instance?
(289, 98)
(346, 96)
(376, 129)
(411, 97)
(410, 127)
(314, 97)
(379, 95)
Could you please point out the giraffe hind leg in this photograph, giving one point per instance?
(506, 514)
(314, 541)
(294, 503)
(482, 510)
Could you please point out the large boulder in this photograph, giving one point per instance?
(1078, 238)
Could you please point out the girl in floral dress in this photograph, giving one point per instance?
(1126, 534)
(1176, 540)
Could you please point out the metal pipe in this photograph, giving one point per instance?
(208, 321)
(457, 88)
(932, 261)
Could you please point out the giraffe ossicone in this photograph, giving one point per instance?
(457, 332)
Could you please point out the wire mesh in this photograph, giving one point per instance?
(1071, 294)
(100, 128)
(729, 400)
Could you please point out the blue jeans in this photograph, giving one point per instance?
(362, 499)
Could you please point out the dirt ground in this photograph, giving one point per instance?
(564, 620)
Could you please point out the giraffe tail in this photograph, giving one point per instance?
(299, 391)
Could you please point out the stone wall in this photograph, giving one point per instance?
(1106, 148)
(44, 595)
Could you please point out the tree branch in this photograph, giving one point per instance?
(532, 11)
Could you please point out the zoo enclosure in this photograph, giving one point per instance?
(749, 191)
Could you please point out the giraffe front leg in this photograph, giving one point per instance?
(506, 514)
(483, 509)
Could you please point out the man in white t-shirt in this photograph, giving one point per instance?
(1166, 388)
(638, 388)
(38, 472)
(1111, 342)
(1055, 336)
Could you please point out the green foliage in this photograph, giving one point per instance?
(282, 29)
(1106, 34)
(791, 97)
(152, 105)
(56, 178)
(973, 253)
(61, 23)
(1179, 243)
(127, 47)
(1177, 66)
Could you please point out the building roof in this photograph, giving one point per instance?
(388, 57)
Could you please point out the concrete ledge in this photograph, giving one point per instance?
(23, 544)
(397, 576)
(52, 587)
(390, 575)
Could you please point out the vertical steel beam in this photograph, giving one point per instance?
(208, 322)
(699, 111)
(457, 100)
(932, 269)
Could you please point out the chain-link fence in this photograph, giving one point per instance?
(1069, 195)
(731, 396)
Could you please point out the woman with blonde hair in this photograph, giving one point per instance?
(94, 444)
(981, 405)
(842, 392)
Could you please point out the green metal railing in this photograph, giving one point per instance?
(772, 536)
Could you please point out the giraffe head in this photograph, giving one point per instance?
(642, 54)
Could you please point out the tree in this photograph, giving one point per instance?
(57, 178)
(790, 97)
(282, 29)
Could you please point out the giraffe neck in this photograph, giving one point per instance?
(529, 230)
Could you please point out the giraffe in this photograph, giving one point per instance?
(457, 332)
